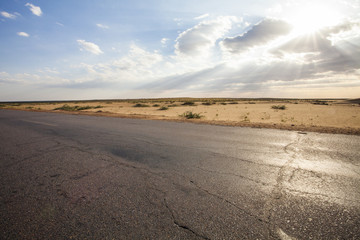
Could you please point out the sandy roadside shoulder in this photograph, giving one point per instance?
(326, 117)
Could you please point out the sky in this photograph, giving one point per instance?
(119, 49)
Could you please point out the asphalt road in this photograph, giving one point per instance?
(82, 177)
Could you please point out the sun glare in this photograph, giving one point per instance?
(312, 17)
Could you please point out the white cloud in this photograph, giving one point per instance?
(304, 63)
(178, 21)
(23, 34)
(7, 15)
(60, 24)
(199, 39)
(34, 9)
(99, 25)
(260, 34)
(164, 41)
(202, 16)
(90, 47)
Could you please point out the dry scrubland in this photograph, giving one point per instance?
(332, 116)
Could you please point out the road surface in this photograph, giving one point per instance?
(82, 177)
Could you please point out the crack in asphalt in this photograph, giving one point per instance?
(185, 227)
(221, 155)
(230, 203)
(322, 195)
(276, 193)
(235, 175)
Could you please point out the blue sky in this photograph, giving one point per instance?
(63, 50)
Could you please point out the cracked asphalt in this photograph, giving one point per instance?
(82, 177)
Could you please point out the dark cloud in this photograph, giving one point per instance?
(261, 33)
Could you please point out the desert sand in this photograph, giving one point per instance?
(328, 116)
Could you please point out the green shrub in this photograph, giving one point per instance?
(280, 107)
(208, 103)
(156, 105)
(15, 104)
(163, 108)
(191, 115)
(188, 103)
(141, 105)
(66, 107)
(319, 102)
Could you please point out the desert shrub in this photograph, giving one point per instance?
(188, 103)
(141, 105)
(83, 108)
(280, 107)
(233, 102)
(66, 107)
(172, 105)
(163, 108)
(319, 102)
(208, 103)
(156, 105)
(223, 103)
(191, 115)
(15, 104)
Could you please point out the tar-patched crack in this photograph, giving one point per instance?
(183, 226)
(285, 174)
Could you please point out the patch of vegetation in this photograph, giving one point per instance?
(141, 105)
(208, 103)
(251, 102)
(163, 108)
(319, 102)
(172, 105)
(279, 107)
(189, 103)
(15, 104)
(2, 105)
(156, 105)
(246, 119)
(233, 103)
(29, 107)
(223, 103)
(191, 115)
(67, 107)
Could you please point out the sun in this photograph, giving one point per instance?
(313, 17)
